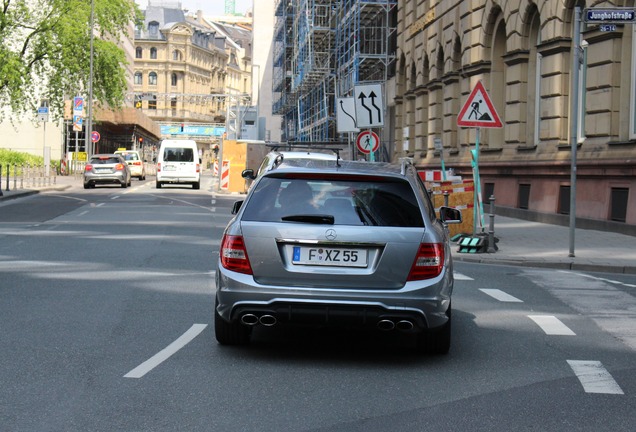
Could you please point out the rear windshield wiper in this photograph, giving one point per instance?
(315, 219)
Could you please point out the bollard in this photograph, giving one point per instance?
(491, 231)
(446, 194)
(1, 181)
(8, 171)
(15, 176)
(22, 176)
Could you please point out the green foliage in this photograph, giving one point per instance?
(16, 161)
(45, 52)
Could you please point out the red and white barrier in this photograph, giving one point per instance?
(225, 174)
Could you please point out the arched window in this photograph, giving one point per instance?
(177, 55)
(139, 52)
(173, 79)
(138, 78)
(152, 78)
(153, 53)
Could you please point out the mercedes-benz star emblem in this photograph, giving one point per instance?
(330, 234)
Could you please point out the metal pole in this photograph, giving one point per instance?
(89, 120)
(574, 116)
(491, 230)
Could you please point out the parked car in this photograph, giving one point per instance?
(106, 169)
(338, 243)
(136, 164)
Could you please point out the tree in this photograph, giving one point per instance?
(45, 52)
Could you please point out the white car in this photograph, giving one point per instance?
(135, 163)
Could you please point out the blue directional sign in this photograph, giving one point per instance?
(611, 15)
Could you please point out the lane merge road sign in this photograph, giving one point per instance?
(369, 105)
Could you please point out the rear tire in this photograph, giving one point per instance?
(228, 333)
(158, 185)
(436, 341)
(124, 185)
(196, 185)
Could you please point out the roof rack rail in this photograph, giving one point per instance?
(405, 162)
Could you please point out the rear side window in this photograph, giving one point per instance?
(372, 202)
(178, 154)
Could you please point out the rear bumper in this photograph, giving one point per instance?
(424, 307)
(105, 179)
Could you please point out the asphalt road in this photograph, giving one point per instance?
(106, 300)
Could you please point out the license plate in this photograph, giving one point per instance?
(170, 168)
(102, 170)
(329, 256)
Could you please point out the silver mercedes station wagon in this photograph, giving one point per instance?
(337, 243)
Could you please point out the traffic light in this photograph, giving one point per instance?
(182, 127)
(141, 140)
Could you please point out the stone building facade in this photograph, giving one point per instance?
(521, 51)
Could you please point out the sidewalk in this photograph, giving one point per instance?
(521, 242)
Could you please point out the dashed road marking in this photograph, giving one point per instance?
(460, 276)
(551, 325)
(165, 353)
(500, 295)
(594, 377)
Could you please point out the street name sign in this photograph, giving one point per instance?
(610, 15)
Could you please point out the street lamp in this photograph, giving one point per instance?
(89, 121)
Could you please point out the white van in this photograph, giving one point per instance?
(178, 162)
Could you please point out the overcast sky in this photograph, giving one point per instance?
(209, 7)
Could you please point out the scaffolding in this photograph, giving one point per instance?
(322, 49)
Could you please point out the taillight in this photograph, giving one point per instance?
(119, 167)
(88, 167)
(198, 168)
(233, 254)
(428, 262)
(159, 167)
(137, 163)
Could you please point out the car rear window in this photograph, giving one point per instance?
(367, 201)
(178, 154)
(104, 160)
(130, 156)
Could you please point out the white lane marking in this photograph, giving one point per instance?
(594, 377)
(611, 281)
(551, 325)
(500, 295)
(83, 213)
(114, 197)
(460, 276)
(165, 353)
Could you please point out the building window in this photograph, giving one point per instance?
(173, 79)
(176, 55)
(138, 78)
(152, 104)
(173, 105)
(153, 28)
(524, 196)
(152, 78)
(618, 204)
(139, 52)
(489, 190)
(564, 200)
(153, 53)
